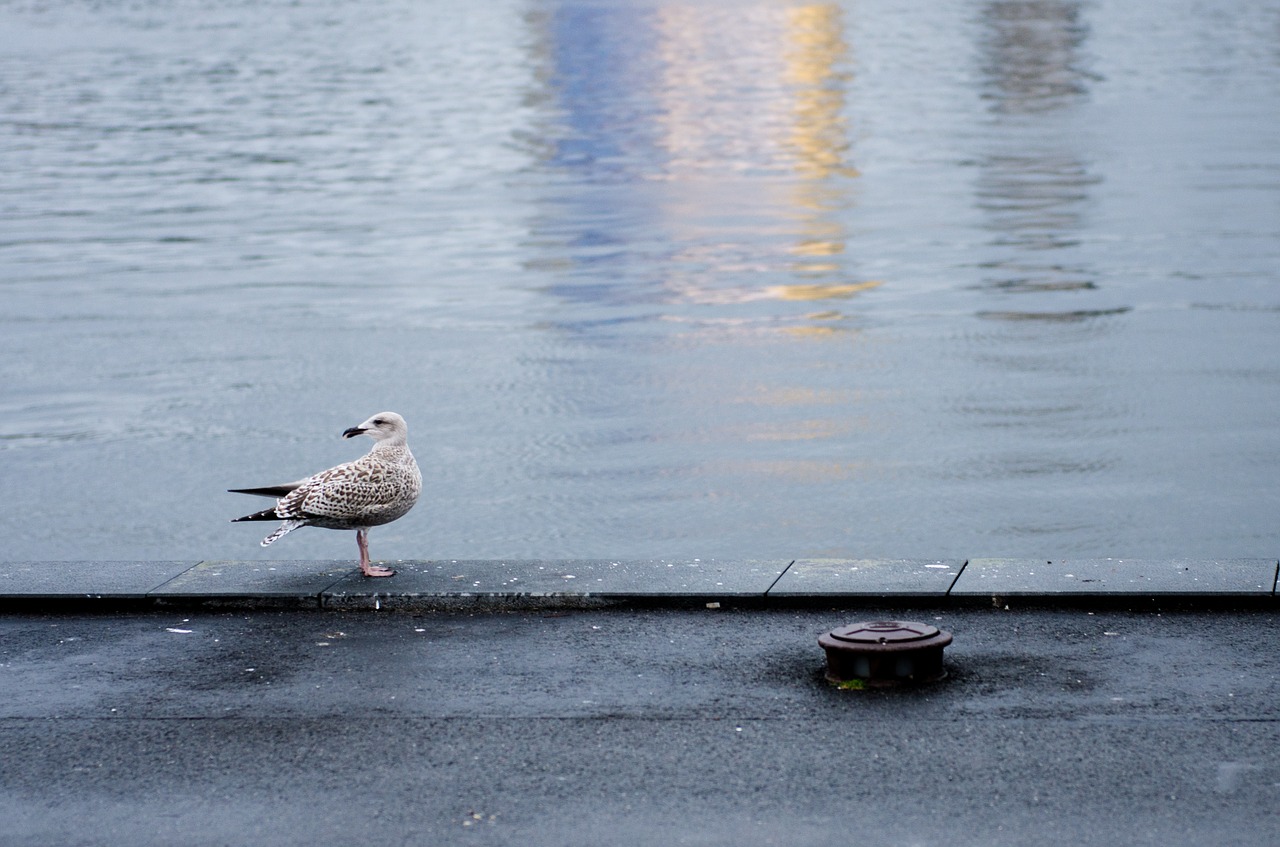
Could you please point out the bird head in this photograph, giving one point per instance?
(382, 427)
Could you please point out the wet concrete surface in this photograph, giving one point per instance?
(633, 727)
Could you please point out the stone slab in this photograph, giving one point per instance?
(876, 578)
(603, 580)
(1118, 577)
(220, 580)
(85, 580)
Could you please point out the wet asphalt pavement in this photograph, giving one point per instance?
(633, 726)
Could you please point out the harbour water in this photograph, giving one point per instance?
(700, 279)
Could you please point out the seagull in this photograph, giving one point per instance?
(375, 489)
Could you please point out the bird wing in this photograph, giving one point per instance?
(329, 493)
(350, 494)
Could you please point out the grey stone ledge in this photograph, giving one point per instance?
(588, 583)
(1062, 578)
(559, 582)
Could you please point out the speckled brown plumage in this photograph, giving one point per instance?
(375, 489)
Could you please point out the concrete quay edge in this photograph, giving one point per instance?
(689, 583)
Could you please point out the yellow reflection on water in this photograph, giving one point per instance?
(814, 246)
(816, 57)
(811, 331)
(745, 91)
(816, 51)
(819, 291)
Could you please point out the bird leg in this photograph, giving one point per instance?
(362, 538)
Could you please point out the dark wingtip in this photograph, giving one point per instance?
(268, 491)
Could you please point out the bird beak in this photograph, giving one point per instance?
(352, 432)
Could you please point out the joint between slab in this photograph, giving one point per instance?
(779, 577)
(155, 589)
(959, 574)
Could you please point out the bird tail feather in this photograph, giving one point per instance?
(285, 528)
(264, 515)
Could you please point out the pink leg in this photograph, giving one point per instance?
(362, 539)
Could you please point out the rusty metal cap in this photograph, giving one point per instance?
(884, 653)
(885, 637)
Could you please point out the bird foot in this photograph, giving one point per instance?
(376, 570)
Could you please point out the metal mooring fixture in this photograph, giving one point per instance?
(882, 653)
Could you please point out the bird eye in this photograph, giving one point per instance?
(378, 422)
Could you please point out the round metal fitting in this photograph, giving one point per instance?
(883, 653)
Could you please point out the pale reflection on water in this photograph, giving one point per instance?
(763, 279)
